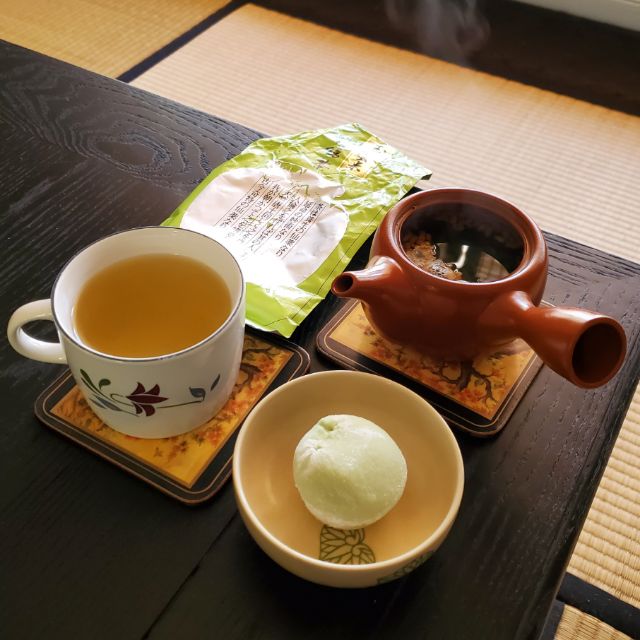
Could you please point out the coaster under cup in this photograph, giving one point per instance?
(193, 466)
(477, 396)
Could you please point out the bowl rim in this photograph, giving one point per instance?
(440, 531)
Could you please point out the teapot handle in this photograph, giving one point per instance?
(584, 347)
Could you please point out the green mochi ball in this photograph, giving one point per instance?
(349, 471)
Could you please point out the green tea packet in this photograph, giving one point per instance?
(294, 210)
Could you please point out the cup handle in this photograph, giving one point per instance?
(25, 344)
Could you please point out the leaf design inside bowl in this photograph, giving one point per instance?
(345, 546)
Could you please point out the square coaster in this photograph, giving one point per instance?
(477, 396)
(193, 466)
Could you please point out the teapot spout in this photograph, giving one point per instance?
(584, 347)
(370, 284)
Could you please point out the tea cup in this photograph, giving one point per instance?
(145, 397)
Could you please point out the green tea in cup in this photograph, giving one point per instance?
(150, 305)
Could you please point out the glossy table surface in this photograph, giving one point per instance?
(88, 551)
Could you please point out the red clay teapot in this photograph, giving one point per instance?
(455, 273)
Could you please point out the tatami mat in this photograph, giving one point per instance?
(571, 165)
(106, 36)
(608, 551)
(576, 625)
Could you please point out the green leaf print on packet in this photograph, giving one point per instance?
(294, 210)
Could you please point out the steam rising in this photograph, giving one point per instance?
(446, 29)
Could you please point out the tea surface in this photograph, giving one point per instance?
(150, 305)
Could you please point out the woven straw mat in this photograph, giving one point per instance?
(106, 36)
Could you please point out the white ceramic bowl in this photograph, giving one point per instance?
(279, 522)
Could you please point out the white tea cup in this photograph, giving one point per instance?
(152, 397)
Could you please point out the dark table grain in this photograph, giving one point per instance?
(89, 552)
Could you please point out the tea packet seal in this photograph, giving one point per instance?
(294, 210)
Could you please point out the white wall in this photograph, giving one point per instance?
(622, 13)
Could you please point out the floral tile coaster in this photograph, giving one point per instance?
(477, 396)
(193, 466)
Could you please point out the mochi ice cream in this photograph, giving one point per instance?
(349, 471)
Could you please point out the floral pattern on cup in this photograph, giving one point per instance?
(345, 546)
(142, 400)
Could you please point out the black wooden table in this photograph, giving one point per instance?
(87, 551)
